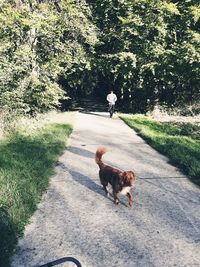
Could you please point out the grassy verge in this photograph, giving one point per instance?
(27, 160)
(180, 142)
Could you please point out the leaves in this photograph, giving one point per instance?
(163, 37)
(39, 45)
(147, 51)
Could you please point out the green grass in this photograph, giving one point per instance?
(180, 142)
(26, 164)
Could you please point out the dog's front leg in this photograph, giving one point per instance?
(116, 199)
(130, 199)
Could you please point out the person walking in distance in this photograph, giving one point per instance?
(111, 98)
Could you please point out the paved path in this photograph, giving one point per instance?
(162, 229)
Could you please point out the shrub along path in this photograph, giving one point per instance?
(76, 219)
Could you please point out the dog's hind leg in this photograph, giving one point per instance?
(104, 183)
(105, 188)
(116, 199)
(130, 199)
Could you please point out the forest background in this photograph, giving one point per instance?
(55, 52)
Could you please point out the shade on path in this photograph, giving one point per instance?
(76, 219)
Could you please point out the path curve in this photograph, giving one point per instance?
(75, 219)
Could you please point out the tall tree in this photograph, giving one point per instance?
(163, 39)
(42, 44)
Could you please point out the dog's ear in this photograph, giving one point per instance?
(131, 173)
(125, 177)
(132, 176)
(129, 177)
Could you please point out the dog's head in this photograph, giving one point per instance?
(129, 178)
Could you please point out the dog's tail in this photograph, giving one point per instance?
(99, 153)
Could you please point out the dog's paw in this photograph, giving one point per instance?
(116, 201)
(130, 203)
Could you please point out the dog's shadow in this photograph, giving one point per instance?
(89, 183)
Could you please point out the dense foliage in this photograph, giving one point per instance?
(149, 51)
(44, 44)
(146, 50)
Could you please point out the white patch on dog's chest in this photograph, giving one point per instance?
(125, 190)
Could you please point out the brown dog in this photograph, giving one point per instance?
(121, 181)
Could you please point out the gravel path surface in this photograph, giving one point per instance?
(74, 218)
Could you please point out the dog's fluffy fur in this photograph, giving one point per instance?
(121, 181)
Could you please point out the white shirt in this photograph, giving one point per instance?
(112, 98)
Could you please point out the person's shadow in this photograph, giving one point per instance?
(104, 114)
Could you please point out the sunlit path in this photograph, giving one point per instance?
(76, 219)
